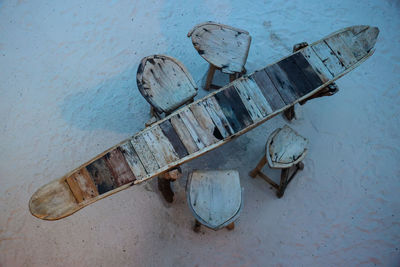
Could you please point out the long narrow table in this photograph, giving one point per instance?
(207, 123)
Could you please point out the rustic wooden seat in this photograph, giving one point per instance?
(224, 47)
(215, 198)
(285, 149)
(166, 84)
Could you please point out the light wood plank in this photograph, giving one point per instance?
(133, 160)
(194, 128)
(317, 64)
(82, 185)
(329, 58)
(159, 145)
(341, 50)
(248, 100)
(184, 134)
(144, 153)
(206, 123)
(218, 117)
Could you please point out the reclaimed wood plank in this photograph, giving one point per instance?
(119, 168)
(248, 100)
(317, 64)
(159, 145)
(311, 75)
(295, 76)
(282, 83)
(218, 117)
(354, 45)
(101, 175)
(173, 138)
(184, 134)
(367, 37)
(329, 58)
(82, 185)
(341, 50)
(207, 125)
(258, 97)
(144, 153)
(233, 108)
(194, 129)
(268, 89)
(133, 160)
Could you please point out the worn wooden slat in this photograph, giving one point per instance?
(101, 175)
(367, 37)
(248, 100)
(258, 97)
(183, 134)
(218, 117)
(353, 43)
(311, 75)
(173, 138)
(282, 83)
(194, 129)
(159, 145)
(206, 123)
(341, 50)
(144, 153)
(268, 89)
(119, 168)
(133, 160)
(329, 58)
(317, 64)
(82, 185)
(296, 76)
(233, 108)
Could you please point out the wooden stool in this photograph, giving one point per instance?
(166, 85)
(224, 47)
(215, 198)
(285, 149)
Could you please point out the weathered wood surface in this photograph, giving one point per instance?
(173, 138)
(319, 67)
(165, 83)
(285, 147)
(341, 50)
(310, 74)
(281, 82)
(328, 57)
(82, 185)
(207, 127)
(120, 170)
(222, 46)
(215, 197)
(228, 113)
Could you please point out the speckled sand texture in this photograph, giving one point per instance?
(68, 92)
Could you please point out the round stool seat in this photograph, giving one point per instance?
(285, 148)
(215, 197)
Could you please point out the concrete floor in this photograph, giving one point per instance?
(68, 92)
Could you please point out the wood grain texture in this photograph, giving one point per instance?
(207, 126)
(360, 39)
(248, 100)
(165, 83)
(341, 50)
(194, 129)
(184, 134)
(82, 185)
(222, 46)
(144, 153)
(268, 89)
(160, 146)
(101, 175)
(215, 197)
(311, 75)
(317, 64)
(329, 58)
(119, 168)
(301, 85)
(217, 115)
(133, 160)
(173, 138)
(282, 83)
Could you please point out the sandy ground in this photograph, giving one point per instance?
(68, 92)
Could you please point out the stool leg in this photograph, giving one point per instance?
(164, 186)
(232, 77)
(283, 183)
(259, 166)
(210, 75)
(197, 226)
(230, 226)
(290, 114)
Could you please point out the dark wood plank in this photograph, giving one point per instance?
(233, 108)
(119, 168)
(307, 70)
(282, 83)
(268, 89)
(295, 76)
(173, 138)
(101, 175)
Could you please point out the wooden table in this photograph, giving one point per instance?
(207, 123)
